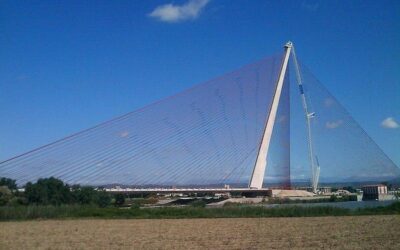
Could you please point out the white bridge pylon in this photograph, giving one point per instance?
(257, 177)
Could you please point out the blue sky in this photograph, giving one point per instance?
(68, 65)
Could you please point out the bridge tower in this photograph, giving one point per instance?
(257, 177)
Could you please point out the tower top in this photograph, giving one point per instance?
(289, 44)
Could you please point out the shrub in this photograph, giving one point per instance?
(352, 197)
(148, 201)
(119, 199)
(151, 200)
(198, 203)
(10, 183)
(5, 195)
(103, 199)
(333, 198)
(48, 191)
(84, 195)
(135, 205)
(18, 201)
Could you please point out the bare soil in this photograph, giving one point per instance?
(359, 232)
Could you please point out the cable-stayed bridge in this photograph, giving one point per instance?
(270, 123)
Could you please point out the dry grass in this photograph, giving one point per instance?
(361, 232)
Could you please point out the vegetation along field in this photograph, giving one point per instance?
(347, 232)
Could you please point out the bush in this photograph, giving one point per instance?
(84, 195)
(52, 191)
(148, 201)
(5, 195)
(48, 191)
(198, 203)
(10, 183)
(151, 200)
(103, 199)
(351, 198)
(333, 198)
(18, 201)
(119, 199)
(135, 205)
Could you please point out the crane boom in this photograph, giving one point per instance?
(309, 115)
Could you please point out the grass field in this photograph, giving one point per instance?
(348, 232)
(12, 213)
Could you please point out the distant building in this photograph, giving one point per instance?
(223, 195)
(342, 192)
(374, 192)
(325, 190)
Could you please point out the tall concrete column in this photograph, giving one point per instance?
(257, 178)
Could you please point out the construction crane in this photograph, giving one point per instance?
(315, 168)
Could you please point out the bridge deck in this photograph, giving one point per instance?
(263, 191)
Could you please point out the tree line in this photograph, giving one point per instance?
(52, 191)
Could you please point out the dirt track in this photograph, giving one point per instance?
(363, 232)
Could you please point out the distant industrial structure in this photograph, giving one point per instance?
(375, 192)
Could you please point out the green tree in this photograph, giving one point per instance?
(5, 195)
(84, 195)
(119, 199)
(103, 199)
(17, 201)
(135, 205)
(10, 183)
(333, 198)
(48, 191)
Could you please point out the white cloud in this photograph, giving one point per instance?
(328, 102)
(175, 13)
(334, 124)
(390, 122)
(124, 134)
